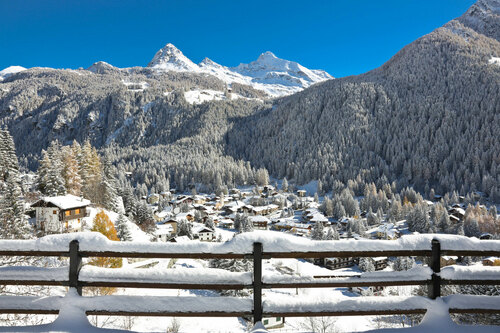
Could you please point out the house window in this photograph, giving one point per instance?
(266, 321)
(67, 213)
(54, 212)
(77, 211)
(278, 318)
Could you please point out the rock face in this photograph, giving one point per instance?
(429, 117)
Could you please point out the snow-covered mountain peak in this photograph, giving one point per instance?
(267, 55)
(275, 76)
(170, 58)
(6, 72)
(269, 69)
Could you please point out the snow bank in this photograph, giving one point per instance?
(457, 272)
(437, 319)
(415, 274)
(25, 273)
(472, 302)
(243, 244)
(119, 303)
(207, 276)
(344, 304)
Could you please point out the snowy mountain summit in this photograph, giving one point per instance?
(275, 76)
(170, 58)
(270, 69)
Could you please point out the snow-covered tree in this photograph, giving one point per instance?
(185, 228)
(366, 264)
(332, 234)
(403, 263)
(13, 225)
(209, 223)
(122, 228)
(318, 231)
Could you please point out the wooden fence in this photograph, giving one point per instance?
(256, 308)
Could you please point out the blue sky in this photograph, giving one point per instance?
(342, 37)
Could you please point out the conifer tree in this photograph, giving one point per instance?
(71, 175)
(185, 228)
(318, 231)
(122, 229)
(284, 185)
(108, 192)
(209, 223)
(366, 264)
(13, 225)
(8, 158)
(332, 234)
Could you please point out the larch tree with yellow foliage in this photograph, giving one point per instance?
(103, 224)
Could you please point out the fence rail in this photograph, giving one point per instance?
(256, 307)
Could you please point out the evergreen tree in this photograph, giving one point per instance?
(8, 159)
(122, 229)
(471, 227)
(318, 231)
(108, 192)
(209, 223)
(403, 263)
(332, 234)
(13, 225)
(444, 223)
(185, 228)
(371, 218)
(71, 175)
(338, 211)
(245, 224)
(366, 264)
(284, 185)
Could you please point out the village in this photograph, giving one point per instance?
(181, 217)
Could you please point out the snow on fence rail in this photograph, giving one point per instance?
(256, 246)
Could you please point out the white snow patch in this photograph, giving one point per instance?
(6, 72)
(200, 96)
(136, 86)
(494, 61)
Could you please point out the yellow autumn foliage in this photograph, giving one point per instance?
(103, 224)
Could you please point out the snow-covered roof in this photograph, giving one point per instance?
(318, 217)
(258, 219)
(67, 201)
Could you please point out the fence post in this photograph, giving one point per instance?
(435, 287)
(257, 282)
(75, 263)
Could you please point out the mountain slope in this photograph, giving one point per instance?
(429, 117)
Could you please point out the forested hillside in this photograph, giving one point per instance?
(429, 117)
